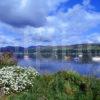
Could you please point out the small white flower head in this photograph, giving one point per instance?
(16, 78)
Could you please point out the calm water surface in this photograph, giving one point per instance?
(52, 66)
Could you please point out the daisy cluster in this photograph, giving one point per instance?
(16, 79)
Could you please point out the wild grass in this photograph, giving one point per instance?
(61, 86)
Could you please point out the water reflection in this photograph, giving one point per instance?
(52, 66)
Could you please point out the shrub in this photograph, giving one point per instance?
(16, 79)
(8, 59)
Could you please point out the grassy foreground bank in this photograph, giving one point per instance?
(60, 86)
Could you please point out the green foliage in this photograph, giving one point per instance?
(95, 85)
(61, 86)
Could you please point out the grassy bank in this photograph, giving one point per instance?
(61, 86)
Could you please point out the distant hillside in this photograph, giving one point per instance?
(12, 49)
(48, 48)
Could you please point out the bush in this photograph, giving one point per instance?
(16, 79)
(7, 59)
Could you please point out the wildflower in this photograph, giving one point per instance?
(16, 79)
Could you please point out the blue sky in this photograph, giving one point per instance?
(49, 22)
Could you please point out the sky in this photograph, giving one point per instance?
(49, 22)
